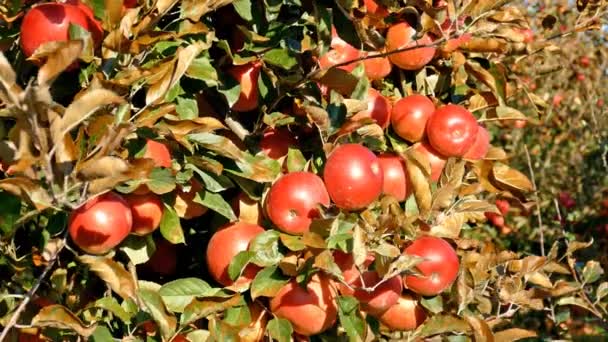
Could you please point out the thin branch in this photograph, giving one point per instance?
(28, 297)
(537, 199)
(315, 72)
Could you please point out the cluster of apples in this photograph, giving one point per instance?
(103, 222)
(353, 178)
(312, 308)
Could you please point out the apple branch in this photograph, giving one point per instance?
(28, 297)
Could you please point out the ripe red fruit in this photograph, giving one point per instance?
(353, 177)
(350, 272)
(224, 245)
(129, 3)
(292, 202)
(439, 269)
(480, 146)
(378, 108)
(503, 206)
(159, 153)
(436, 160)
(164, 260)
(497, 220)
(520, 123)
(147, 211)
(451, 130)
(528, 35)
(410, 115)
(50, 22)
(382, 297)
(311, 310)
(375, 10)
(247, 76)
(580, 77)
(95, 25)
(557, 99)
(275, 143)
(340, 53)
(585, 61)
(405, 315)
(101, 223)
(377, 68)
(566, 200)
(400, 36)
(395, 176)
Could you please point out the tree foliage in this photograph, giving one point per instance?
(79, 118)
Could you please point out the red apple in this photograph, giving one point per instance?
(378, 108)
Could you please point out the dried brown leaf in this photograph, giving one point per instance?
(58, 55)
(85, 106)
(27, 189)
(513, 334)
(481, 330)
(419, 181)
(195, 9)
(107, 166)
(511, 179)
(113, 273)
(58, 316)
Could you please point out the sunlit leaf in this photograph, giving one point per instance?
(59, 316)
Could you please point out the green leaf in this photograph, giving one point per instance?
(170, 226)
(265, 247)
(139, 249)
(354, 325)
(267, 282)
(243, 8)
(277, 119)
(363, 85)
(213, 183)
(282, 58)
(179, 293)
(238, 264)
(111, 304)
(280, 329)
(101, 334)
(230, 88)
(156, 308)
(267, 88)
(295, 160)
(602, 291)
(174, 93)
(202, 69)
(293, 242)
(592, 271)
(216, 203)
(186, 108)
(433, 304)
(161, 181)
(238, 316)
(9, 212)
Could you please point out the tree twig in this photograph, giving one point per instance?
(537, 199)
(28, 297)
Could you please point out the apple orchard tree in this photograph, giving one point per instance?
(298, 170)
